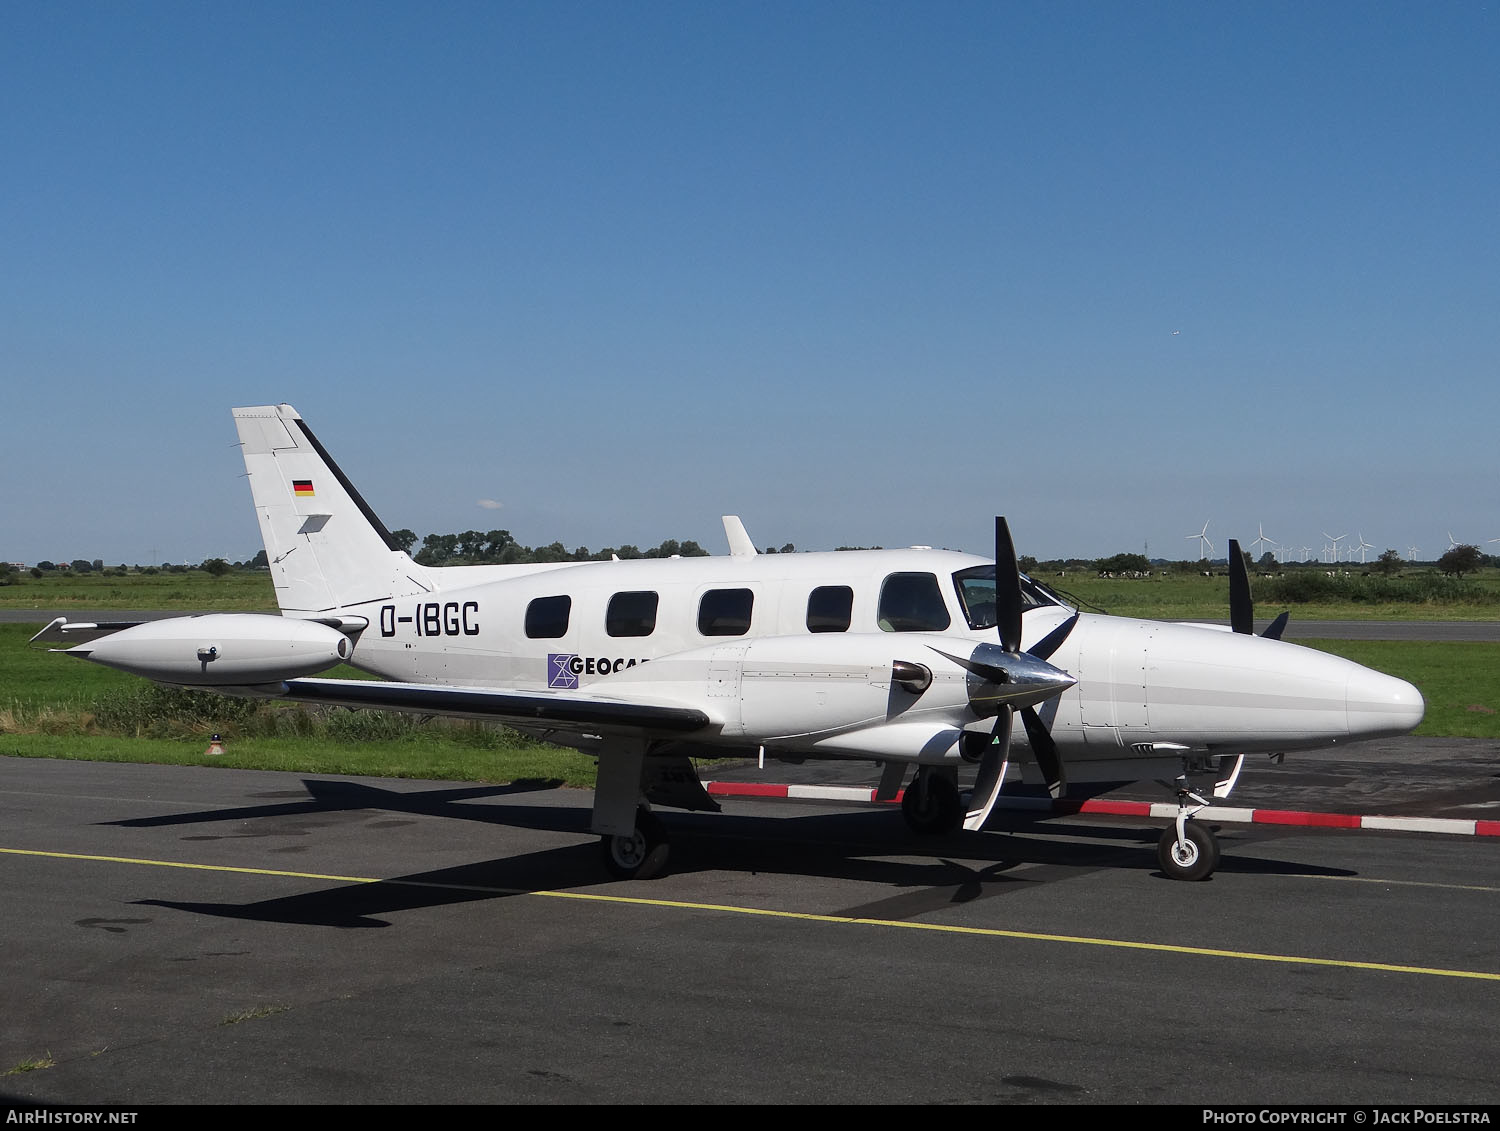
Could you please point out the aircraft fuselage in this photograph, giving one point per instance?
(733, 636)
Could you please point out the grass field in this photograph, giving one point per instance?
(53, 706)
(1194, 597)
(237, 591)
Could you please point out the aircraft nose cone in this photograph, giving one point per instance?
(1381, 705)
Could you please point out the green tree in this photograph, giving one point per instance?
(1388, 564)
(404, 539)
(500, 546)
(1123, 563)
(215, 567)
(438, 549)
(1460, 560)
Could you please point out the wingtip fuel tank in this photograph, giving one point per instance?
(220, 649)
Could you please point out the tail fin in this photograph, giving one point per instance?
(326, 548)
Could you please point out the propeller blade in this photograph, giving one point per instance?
(991, 773)
(990, 673)
(1241, 609)
(1048, 644)
(1048, 760)
(1007, 588)
(1276, 627)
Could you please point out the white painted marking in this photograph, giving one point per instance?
(1419, 824)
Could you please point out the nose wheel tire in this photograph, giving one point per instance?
(641, 855)
(1194, 859)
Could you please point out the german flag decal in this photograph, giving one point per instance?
(302, 488)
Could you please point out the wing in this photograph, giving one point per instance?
(561, 709)
(264, 656)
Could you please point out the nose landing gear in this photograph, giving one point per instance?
(1188, 850)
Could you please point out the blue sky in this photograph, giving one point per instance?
(863, 273)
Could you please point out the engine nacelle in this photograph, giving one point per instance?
(220, 649)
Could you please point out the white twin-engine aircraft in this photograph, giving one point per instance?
(908, 658)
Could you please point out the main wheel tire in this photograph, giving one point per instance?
(1195, 859)
(642, 855)
(932, 806)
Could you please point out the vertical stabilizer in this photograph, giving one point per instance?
(740, 545)
(327, 549)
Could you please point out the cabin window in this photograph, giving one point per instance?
(631, 614)
(830, 608)
(725, 612)
(912, 602)
(547, 617)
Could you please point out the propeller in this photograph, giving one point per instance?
(1241, 608)
(1011, 680)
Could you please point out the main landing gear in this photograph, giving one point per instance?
(640, 854)
(932, 805)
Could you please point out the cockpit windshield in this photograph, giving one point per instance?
(976, 593)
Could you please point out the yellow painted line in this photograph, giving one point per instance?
(193, 867)
(1036, 936)
(805, 916)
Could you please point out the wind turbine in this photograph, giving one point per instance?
(1333, 545)
(1363, 548)
(1411, 553)
(1452, 543)
(1202, 537)
(1263, 540)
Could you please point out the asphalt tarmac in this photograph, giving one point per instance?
(1456, 778)
(205, 935)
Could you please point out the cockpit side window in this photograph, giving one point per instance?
(976, 595)
(912, 602)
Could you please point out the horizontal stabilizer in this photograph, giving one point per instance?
(64, 631)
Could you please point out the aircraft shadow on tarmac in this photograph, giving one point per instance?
(870, 846)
